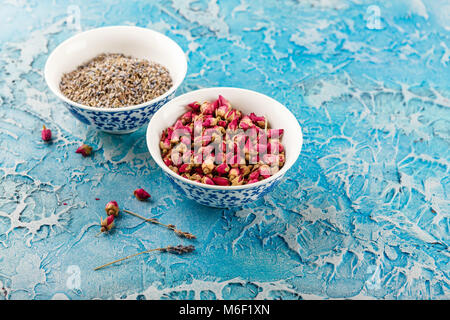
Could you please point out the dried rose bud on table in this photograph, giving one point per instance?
(107, 223)
(141, 194)
(46, 134)
(112, 208)
(216, 144)
(85, 150)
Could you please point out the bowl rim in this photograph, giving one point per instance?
(133, 107)
(166, 169)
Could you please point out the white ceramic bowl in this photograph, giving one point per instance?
(247, 101)
(134, 41)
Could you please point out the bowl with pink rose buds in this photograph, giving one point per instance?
(224, 147)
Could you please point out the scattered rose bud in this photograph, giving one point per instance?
(84, 149)
(141, 194)
(46, 134)
(107, 223)
(112, 208)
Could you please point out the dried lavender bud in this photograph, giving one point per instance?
(112, 80)
(179, 249)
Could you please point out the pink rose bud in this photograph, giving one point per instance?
(234, 172)
(223, 101)
(264, 171)
(207, 108)
(107, 223)
(198, 158)
(198, 127)
(221, 181)
(195, 177)
(169, 132)
(167, 161)
(274, 146)
(281, 159)
(207, 180)
(46, 134)
(262, 148)
(245, 123)
(254, 175)
(185, 167)
(222, 111)
(176, 158)
(187, 117)
(210, 122)
(112, 208)
(84, 149)
(239, 180)
(259, 121)
(165, 144)
(199, 171)
(185, 140)
(195, 106)
(222, 123)
(188, 156)
(220, 157)
(233, 125)
(141, 194)
(253, 181)
(208, 166)
(222, 169)
(230, 115)
(270, 159)
(275, 133)
(178, 125)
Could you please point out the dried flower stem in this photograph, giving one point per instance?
(179, 249)
(172, 227)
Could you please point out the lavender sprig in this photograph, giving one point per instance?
(179, 249)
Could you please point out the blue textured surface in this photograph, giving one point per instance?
(363, 214)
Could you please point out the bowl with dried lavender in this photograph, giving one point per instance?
(115, 78)
(224, 147)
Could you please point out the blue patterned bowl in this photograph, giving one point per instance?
(134, 41)
(247, 101)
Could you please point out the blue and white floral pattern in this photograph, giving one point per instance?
(223, 198)
(120, 121)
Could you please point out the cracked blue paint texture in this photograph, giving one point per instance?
(364, 213)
